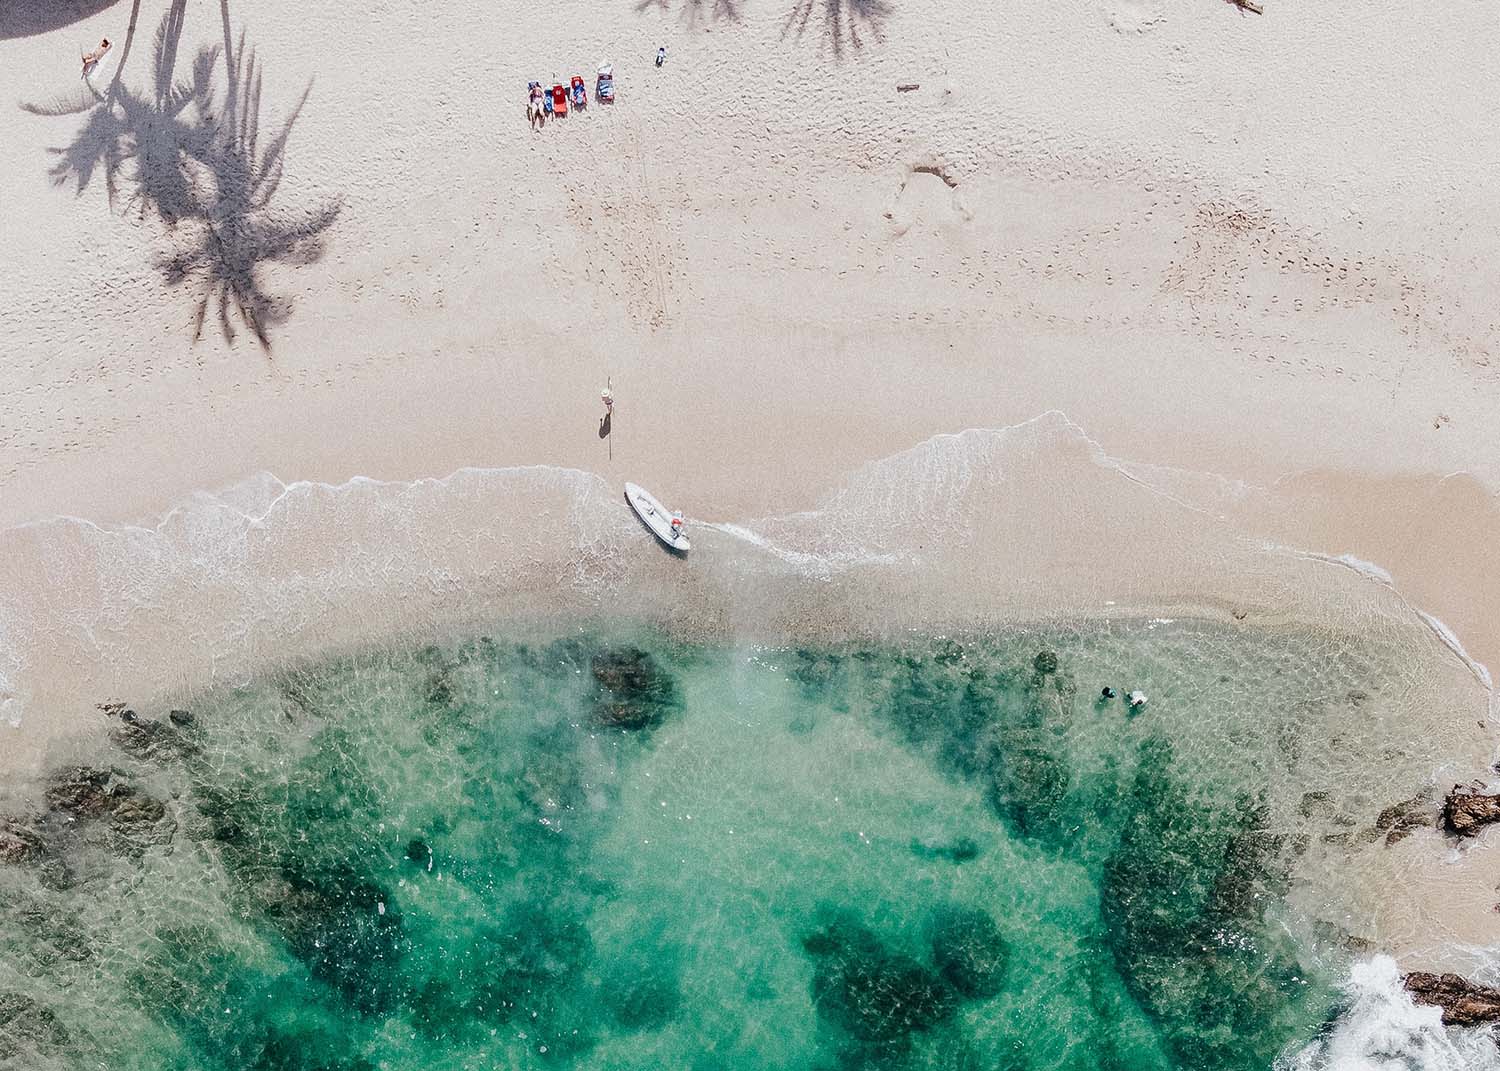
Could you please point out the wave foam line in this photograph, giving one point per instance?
(1377, 574)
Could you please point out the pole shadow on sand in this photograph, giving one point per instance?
(201, 166)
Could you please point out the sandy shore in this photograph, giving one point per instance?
(1215, 241)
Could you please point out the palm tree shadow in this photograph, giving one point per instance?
(240, 228)
(697, 12)
(152, 132)
(846, 23)
(187, 164)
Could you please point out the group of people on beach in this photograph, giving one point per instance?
(542, 103)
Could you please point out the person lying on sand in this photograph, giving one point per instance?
(90, 59)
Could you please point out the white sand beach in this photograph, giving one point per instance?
(1253, 245)
(1262, 247)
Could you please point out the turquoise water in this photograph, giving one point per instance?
(617, 851)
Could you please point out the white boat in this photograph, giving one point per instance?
(656, 517)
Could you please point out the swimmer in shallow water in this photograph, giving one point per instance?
(1108, 693)
(1136, 700)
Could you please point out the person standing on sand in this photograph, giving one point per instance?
(607, 396)
(661, 54)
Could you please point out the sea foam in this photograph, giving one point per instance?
(1381, 1029)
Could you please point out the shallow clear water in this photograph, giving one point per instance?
(616, 851)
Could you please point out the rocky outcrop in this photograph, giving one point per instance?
(1466, 811)
(150, 740)
(1400, 820)
(19, 843)
(132, 820)
(1463, 1002)
(28, 1028)
(86, 792)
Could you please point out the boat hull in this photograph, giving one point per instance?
(656, 517)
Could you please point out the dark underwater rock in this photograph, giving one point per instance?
(132, 820)
(1045, 662)
(1028, 787)
(643, 994)
(19, 843)
(522, 968)
(968, 951)
(150, 740)
(28, 1026)
(346, 929)
(53, 936)
(819, 674)
(1463, 1002)
(958, 850)
(183, 719)
(1466, 811)
(1183, 899)
(281, 1048)
(86, 792)
(633, 691)
(229, 812)
(1400, 820)
(530, 969)
(878, 997)
(136, 814)
(440, 690)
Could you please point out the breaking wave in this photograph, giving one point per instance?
(1381, 1029)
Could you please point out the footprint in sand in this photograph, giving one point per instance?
(929, 194)
(1133, 16)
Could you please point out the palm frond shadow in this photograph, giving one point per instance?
(240, 227)
(187, 164)
(846, 23)
(696, 12)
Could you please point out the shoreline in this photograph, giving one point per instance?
(211, 570)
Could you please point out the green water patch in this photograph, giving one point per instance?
(620, 852)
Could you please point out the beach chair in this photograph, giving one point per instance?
(580, 92)
(604, 88)
(559, 100)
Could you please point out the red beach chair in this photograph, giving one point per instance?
(559, 100)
